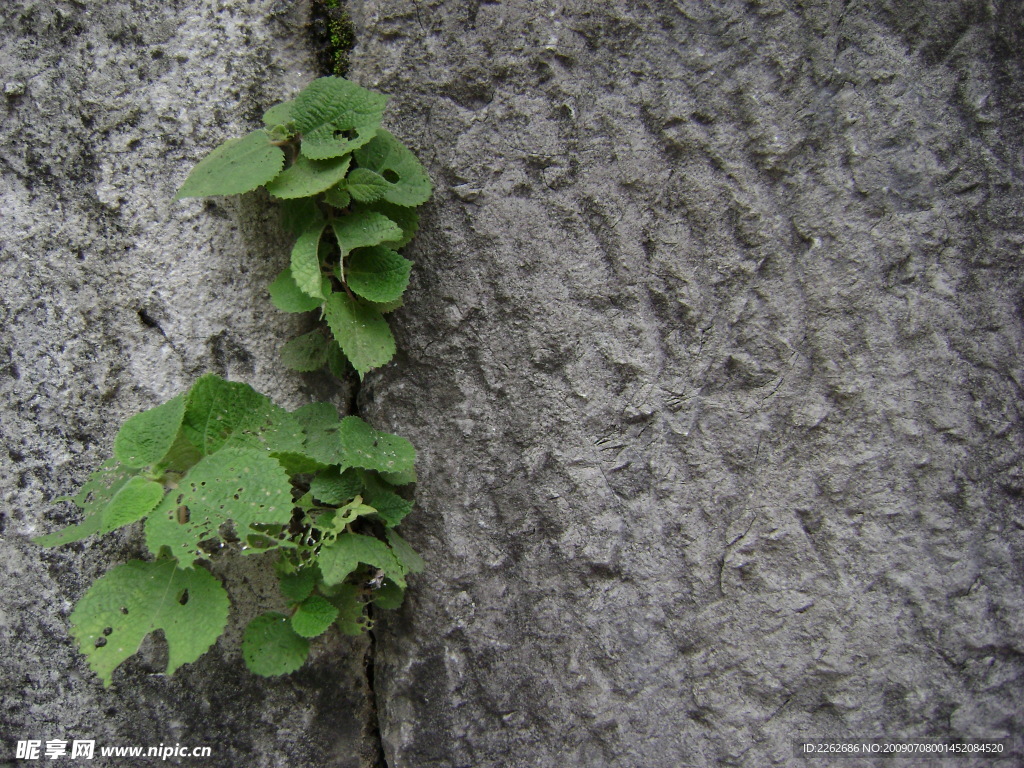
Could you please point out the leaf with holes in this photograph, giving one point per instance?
(271, 647)
(305, 177)
(378, 274)
(236, 166)
(368, 448)
(408, 183)
(313, 616)
(137, 598)
(94, 497)
(361, 332)
(335, 116)
(235, 487)
(352, 618)
(146, 437)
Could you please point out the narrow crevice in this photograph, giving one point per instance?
(372, 731)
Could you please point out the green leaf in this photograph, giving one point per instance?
(313, 616)
(407, 556)
(337, 363)
(336, 116)
(237, 166)
(389, 596)
(361, 332)
(132, 600)
(365, 185)
(221, 412)
(279, 114)
(335, 521)
(358, 230)
(298, 463)
(308, 352)
(271, 647)
(368, 448)
(338, 196)
(400, 478)
(305, 177)
(146, 437)
(391, 507)
(288, 297)
(236, 486)
(299, 215)
(320, 423)
(297, 586)
(352, 618)
(305, 263)
(408, 183)
(335, 487)
(342, 556)
(134, 501)
(378, 274)
(94, 497)
(406, 218)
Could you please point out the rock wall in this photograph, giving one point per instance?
(712, 357)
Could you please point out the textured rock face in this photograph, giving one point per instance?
(114, 298)
(712, 357)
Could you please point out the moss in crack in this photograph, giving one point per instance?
(333, 36)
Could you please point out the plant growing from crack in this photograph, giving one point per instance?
(222, 468)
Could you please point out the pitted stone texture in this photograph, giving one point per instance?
(712, 357)
(114, 298)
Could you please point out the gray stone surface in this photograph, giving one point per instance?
(712, 356)
(113, 297)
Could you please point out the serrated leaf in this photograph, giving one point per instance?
(314, 616)
(279, 114)
(378, 274)
(93, 498)
(338, 196)
(336, 116)
(406, 218)
(337, 363)
(335, 521)
(408, 183)
(308, 352)
(134, 501)
(407, 556)
(146, 437)
(305, 262)
(391, 507)
(288, 297)
(366, 228)
(368, 448)
(298, 463)
(297, 586)
(137, 598)
(299, 215)
(335, 487)
(305, 177)
(219, 412)
(387, 306)
(271, 647)
(389, 596)
(352, 618)
(339, 558)
(320, 423)
(361, 332)
(235, 167)
(365, 185)
(235, 486)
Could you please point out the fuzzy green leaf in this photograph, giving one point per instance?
(378, 274)
(305, 177)
(314, 616)
(236, 166)
(367, 448)
(366, 228)
(308, 352)
(297, 586)
(305, 263)
(352, 618)
(94, 497)
(406, 218)
(146, 437)
(365, 185)
(221, 412)
(288, 297)
(279, 114)
(271, 647)
(361, 332)
(338, 196)
(336, 116)
(407, 556)
(134, 501)
(342, 556)
(337, 363)
(408, 183)
(299, 215)
(389, 596)
(132, 600)
(240, 487)
(335, 487)
(391, 507)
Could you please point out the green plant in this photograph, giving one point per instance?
(349, 191)
(222, 468)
